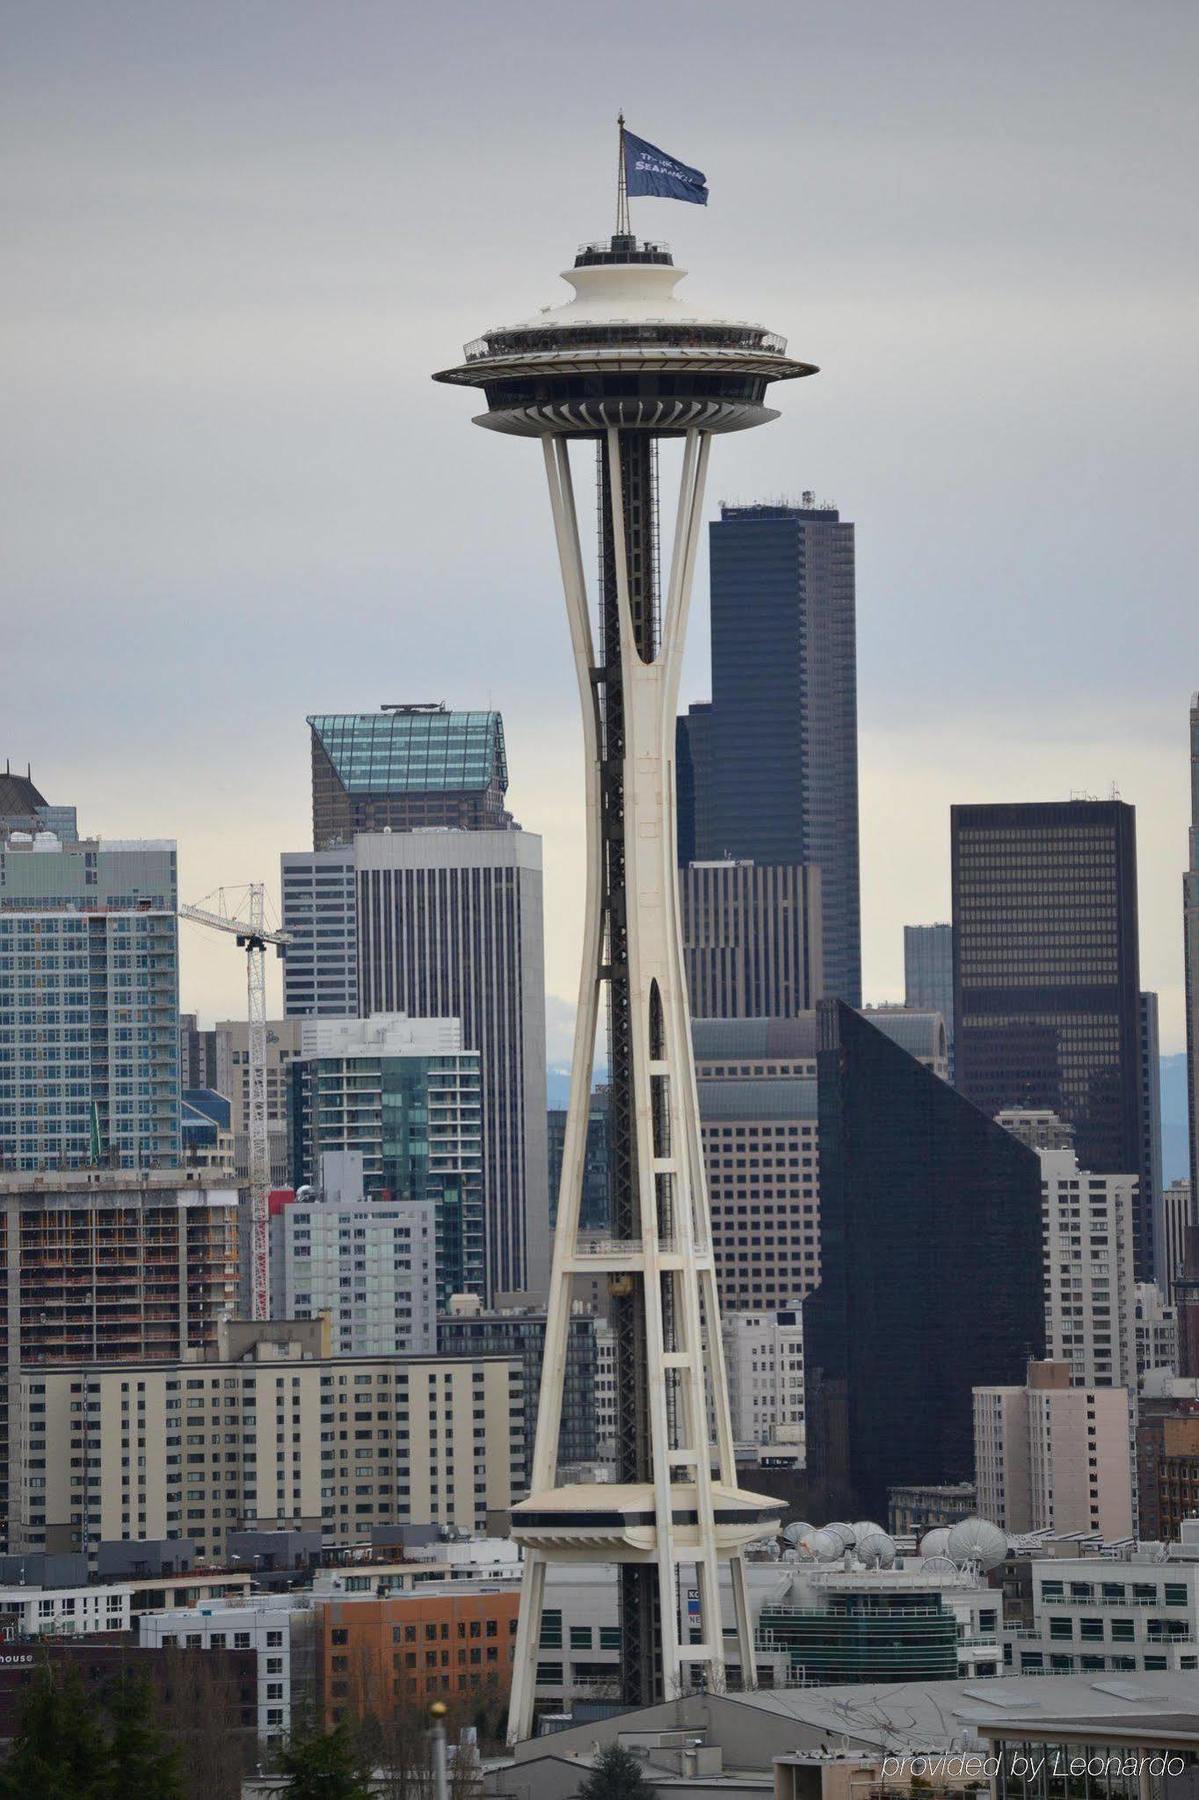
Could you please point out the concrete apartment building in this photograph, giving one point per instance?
(1090, 1288)
(516, 1329)
(110, 1265)
(1157, 1330)
(280, 1630)
(89, 1002)
(1131, 1613)
(1051, 1457)
(1091, 1294)
(329, 1652)
(1167, 1454)
(1176, 1218)
(757, 1103)
(270, 1433)
(763, 1355)
(369, 1264)
(233, 1080)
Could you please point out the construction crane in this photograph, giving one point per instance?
(242, 911)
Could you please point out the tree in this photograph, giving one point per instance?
(60, 1751)
(322, 1765)
(616, 1776)
(203, 1719)
(142, 1760)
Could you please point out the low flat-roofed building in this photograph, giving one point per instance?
(752, 1730)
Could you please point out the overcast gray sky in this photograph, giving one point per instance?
(240, 234)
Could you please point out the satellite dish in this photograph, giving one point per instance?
(795, 1533)
(825, 1546)
(935, 1542)
(978, 1541)
(864, 1527)
(939, 1565)
(876, 1549)
(843, 1532)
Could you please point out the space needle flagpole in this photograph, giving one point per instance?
(623, 228)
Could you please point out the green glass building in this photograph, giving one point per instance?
(865, 1637)
(404, 768)
(404, 1095)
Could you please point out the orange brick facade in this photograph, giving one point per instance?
(414, 1648)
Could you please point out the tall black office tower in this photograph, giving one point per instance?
(774, 762)
(1046, 985)
(931, 1285)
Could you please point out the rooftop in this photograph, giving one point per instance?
(19, 799)
(791, 1097)
(186, 1182)
(414, 750)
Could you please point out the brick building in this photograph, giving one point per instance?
(434, 1643)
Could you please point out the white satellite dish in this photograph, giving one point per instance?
(939, 1565)
(795, 1533)
(843, 1532)
(876, 1548)
(825, 1546)
(935, 1542)
(978, 1541)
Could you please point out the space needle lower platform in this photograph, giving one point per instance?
(624, 365)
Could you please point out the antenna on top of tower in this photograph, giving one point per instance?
(622, 186)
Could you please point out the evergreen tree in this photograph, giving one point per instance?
(322, 1765)
(59, 1751)
(616, 1776)
(142, 1761)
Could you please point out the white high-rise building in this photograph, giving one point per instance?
(1090, 1292)
(450, 927)
(370, 1264)
(1048, 1456)
(320, 912)
(763, 1353)
(605, 1391)
(1176, 1211)
(1157, 1330)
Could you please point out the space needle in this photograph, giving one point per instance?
(621, 366)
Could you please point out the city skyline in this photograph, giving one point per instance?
(226, 300)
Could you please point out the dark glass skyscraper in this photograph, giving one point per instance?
(1190, 918)
(931, 1284)
(775, 761)
(1046, 986)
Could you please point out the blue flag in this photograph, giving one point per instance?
(648, 170)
